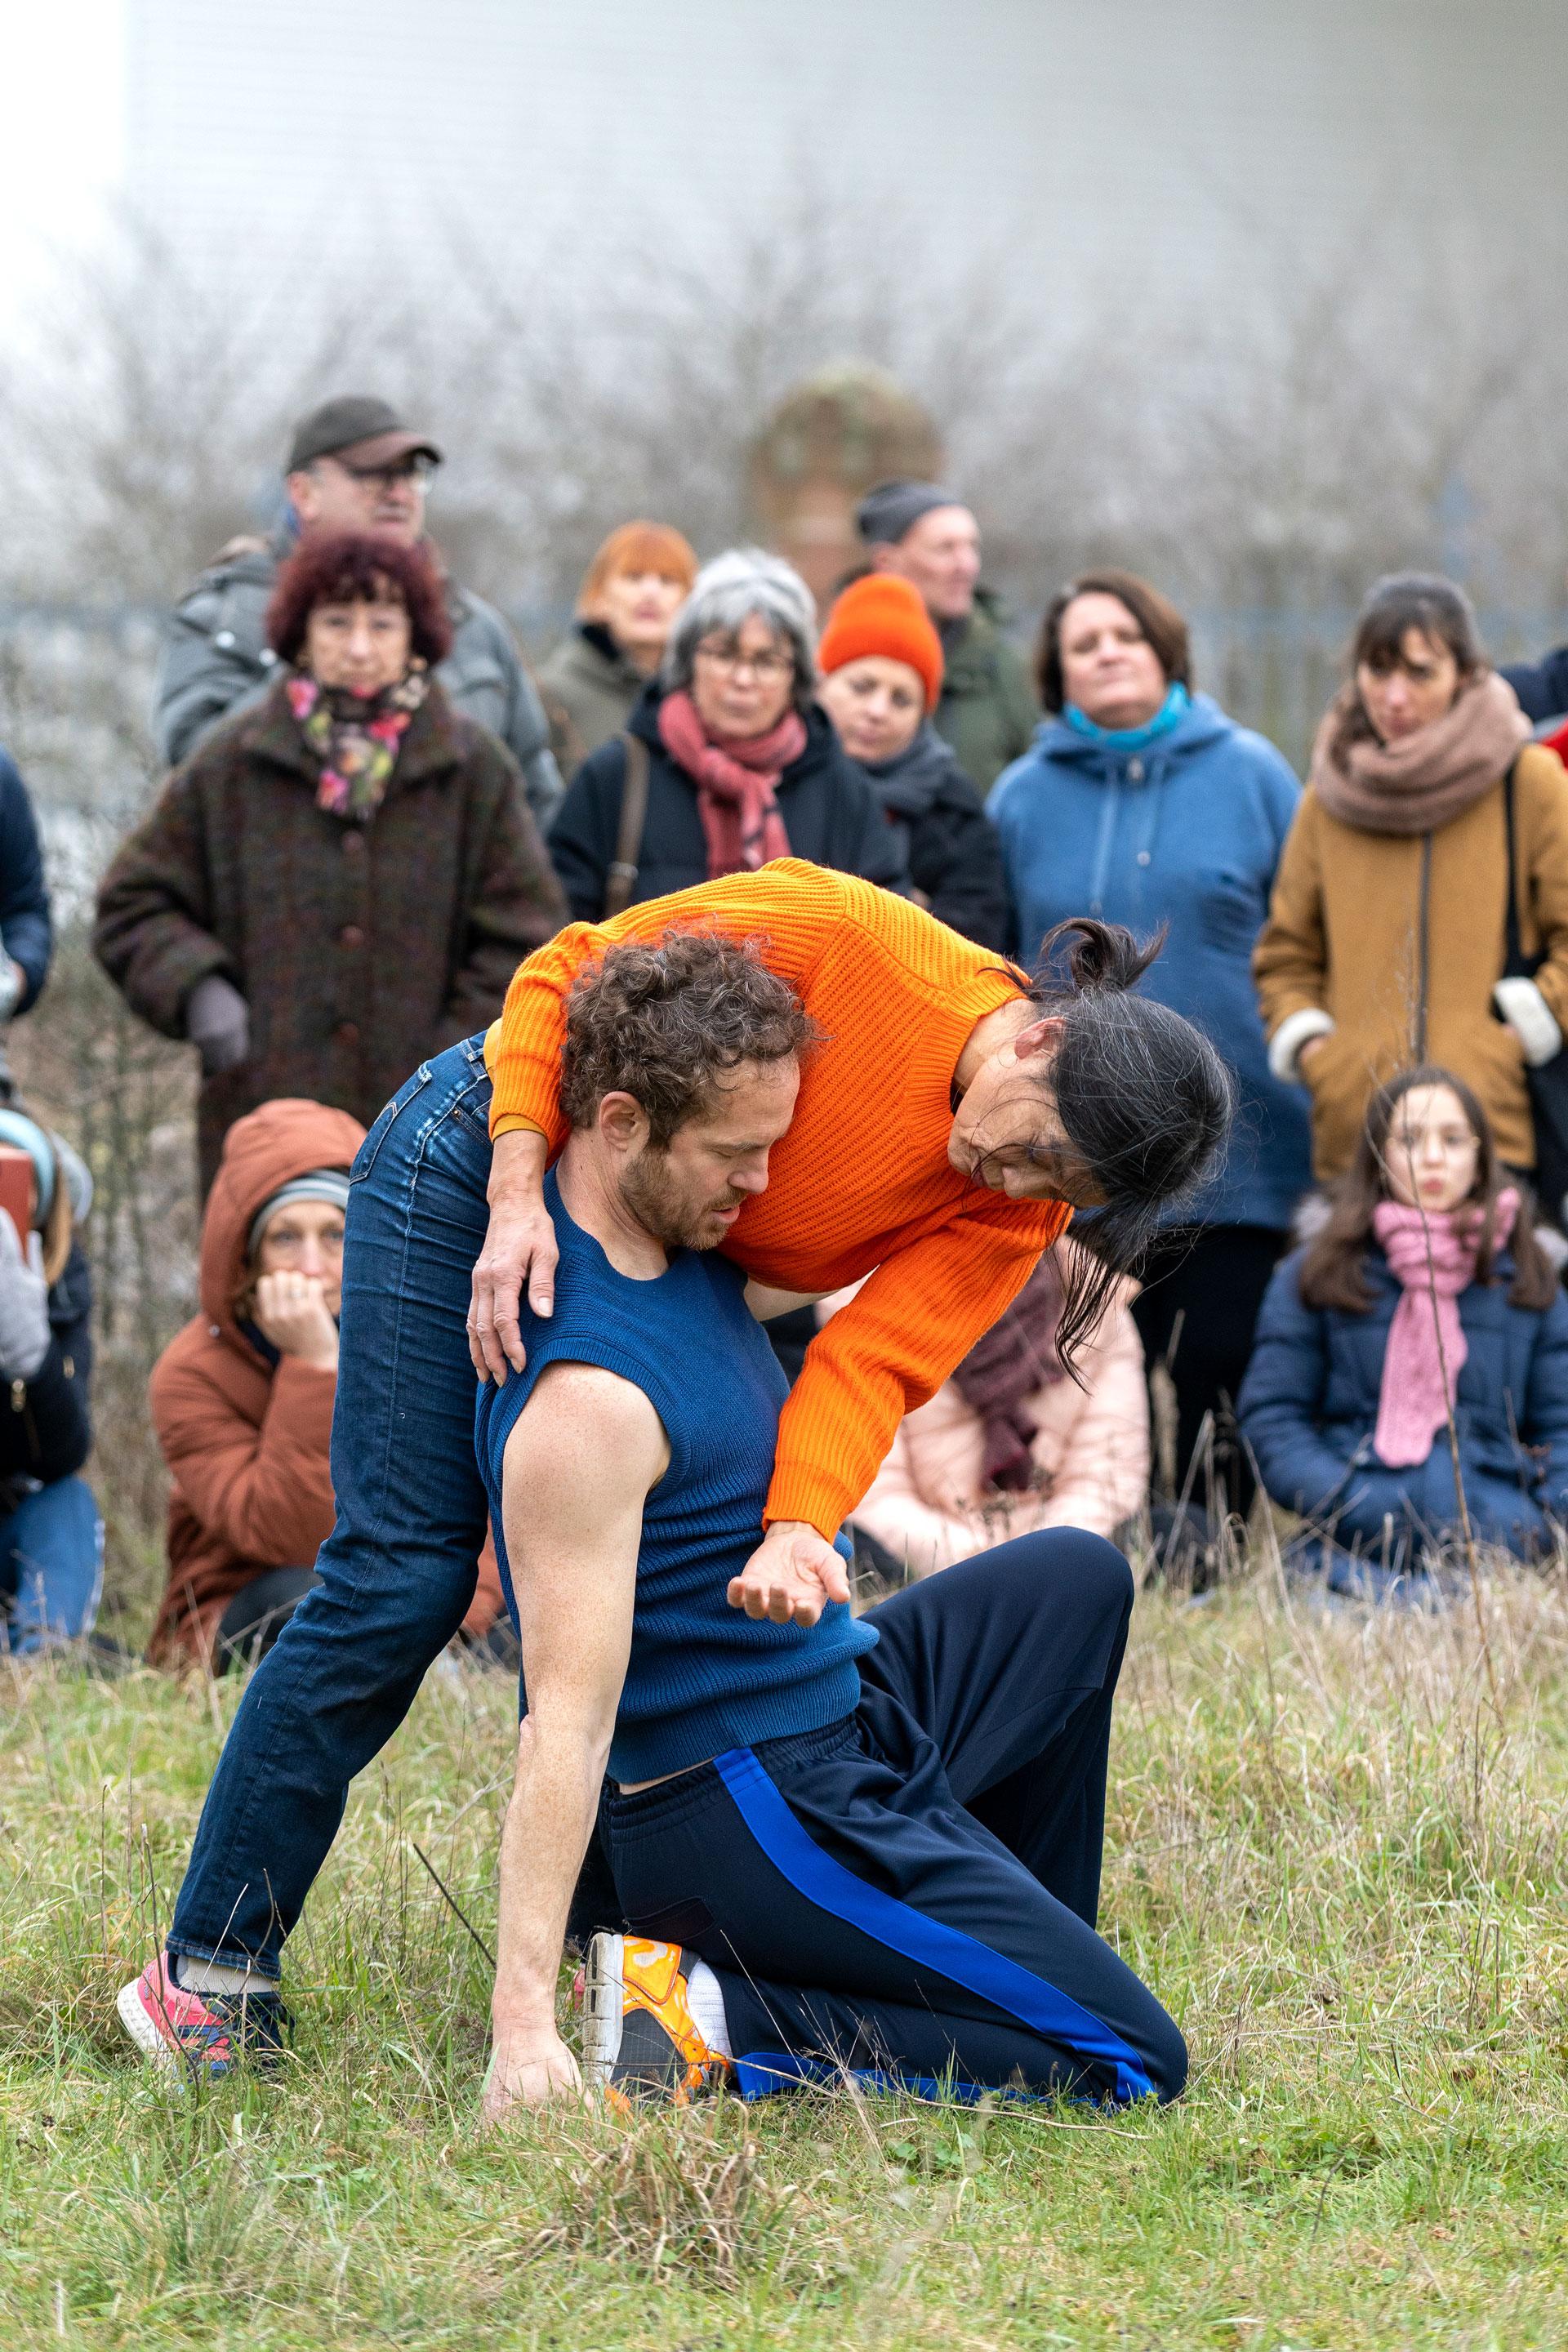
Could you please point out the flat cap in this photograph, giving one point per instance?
(362, 431)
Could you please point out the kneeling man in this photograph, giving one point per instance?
(870, 1845)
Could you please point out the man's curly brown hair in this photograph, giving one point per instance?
(664, 1024)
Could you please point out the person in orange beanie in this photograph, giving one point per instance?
(881, 666)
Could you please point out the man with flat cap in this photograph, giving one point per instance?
(988, 710)
(353, 465)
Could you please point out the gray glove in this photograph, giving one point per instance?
(218, 1023)
(24, 1304)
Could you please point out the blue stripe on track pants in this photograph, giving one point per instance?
(910, 1895)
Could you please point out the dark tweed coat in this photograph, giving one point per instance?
(360, 948)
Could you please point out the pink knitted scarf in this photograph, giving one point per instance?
(736, 779)
(1429, 1251)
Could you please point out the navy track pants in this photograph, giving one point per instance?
(911, 1893)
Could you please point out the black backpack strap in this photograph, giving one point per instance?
(623, 875)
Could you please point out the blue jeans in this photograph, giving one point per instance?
(51, 1565)
(398, 1570)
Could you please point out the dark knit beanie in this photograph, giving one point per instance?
(886, 513)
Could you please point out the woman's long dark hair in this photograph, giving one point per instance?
(1145, 1099)
(1334, 1271)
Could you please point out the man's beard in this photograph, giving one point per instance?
(649, 1193)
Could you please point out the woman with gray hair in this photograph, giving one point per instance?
(727, 761)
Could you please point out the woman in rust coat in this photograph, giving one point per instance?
(242, 1398)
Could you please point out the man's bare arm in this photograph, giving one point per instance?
(764, 1302)
(578, 1465)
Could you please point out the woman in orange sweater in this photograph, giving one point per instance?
(952, 1116)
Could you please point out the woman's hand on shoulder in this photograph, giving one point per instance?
(520, 1247)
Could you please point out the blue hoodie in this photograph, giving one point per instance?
(1185, 830)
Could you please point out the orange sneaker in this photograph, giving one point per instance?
(639, 2041)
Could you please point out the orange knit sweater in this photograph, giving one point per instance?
(861, 1180)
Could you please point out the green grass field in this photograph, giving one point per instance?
(1336, 1854)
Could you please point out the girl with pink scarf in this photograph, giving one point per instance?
(1424, 1318)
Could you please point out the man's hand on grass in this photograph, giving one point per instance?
(528, 2065)
(791, 1577)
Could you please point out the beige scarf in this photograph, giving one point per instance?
(1418, 783)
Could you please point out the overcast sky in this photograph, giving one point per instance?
(61, 130)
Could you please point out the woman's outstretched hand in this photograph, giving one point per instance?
(791, 1577)
(520, 1247)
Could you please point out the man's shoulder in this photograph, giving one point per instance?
(577, 1411)
(984, 651)
(234, 587)
(576, 1388)
(479, 626)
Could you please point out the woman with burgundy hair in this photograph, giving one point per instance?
(727, 761)
(342, 878)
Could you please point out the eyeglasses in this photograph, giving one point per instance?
(418, 469)
(732, 661)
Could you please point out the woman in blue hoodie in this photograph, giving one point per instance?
(1145, 805)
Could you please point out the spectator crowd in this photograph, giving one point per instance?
(373, 813)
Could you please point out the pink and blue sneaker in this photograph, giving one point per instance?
(203, 2034)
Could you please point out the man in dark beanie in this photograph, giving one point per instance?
(353, 465)
(988, 711)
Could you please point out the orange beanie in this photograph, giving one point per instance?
(882, 614)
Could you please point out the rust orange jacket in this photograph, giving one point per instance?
(862, 1183)
(246, 1442)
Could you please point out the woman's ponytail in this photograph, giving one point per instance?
(1102, 956)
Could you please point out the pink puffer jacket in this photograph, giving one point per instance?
(928, 1504)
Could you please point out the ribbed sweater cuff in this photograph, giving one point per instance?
(526, 1091)
(803, 1490)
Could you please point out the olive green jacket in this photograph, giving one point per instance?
(989, 710)
(590, 691)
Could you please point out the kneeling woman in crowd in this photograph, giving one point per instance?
(1427, 1288)
(242, 1398)
(51, 1537)
(1011, 1443)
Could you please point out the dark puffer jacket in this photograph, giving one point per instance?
(45, 1432)
(829, 812)
(1308, 1409)
(954, 857)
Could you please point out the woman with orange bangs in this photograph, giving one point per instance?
(630, 593)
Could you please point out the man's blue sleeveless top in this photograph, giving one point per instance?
(702, 1676)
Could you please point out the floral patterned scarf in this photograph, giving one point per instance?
(356, 737)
